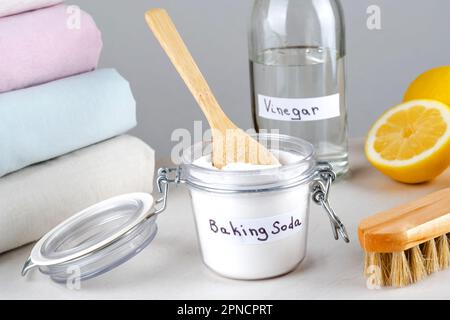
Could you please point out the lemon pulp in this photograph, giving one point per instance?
(409, 133)
(411, 142)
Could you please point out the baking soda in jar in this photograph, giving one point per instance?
(254, 235)
(252, 221)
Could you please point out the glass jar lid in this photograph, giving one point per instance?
(96, 239)
(296, 156)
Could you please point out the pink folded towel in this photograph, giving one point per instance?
(45, 45)
(9, 7)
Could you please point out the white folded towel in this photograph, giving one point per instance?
(37, 198)
(9, 7)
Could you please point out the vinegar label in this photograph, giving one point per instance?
(304, 109)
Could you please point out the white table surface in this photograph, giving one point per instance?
(171, 267)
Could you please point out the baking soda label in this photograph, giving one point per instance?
(254, 231)
(307, 109)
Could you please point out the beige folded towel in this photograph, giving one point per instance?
(35, 199)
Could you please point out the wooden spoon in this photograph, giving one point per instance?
(230, 144)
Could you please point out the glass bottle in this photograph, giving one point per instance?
(297, 71)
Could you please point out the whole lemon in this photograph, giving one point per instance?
(433, 84)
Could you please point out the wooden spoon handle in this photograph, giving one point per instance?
(165, 31)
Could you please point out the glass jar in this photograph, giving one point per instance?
(253, 224)
(297, 70)
(250, 224)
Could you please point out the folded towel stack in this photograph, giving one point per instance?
(61, 121)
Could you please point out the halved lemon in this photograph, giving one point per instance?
(411, 142)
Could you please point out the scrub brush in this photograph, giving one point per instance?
(407, 243)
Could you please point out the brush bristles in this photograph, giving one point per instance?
(373, 269)
(431, 257)
(386, 262)
(443, 250)
(378, 268)
(417, 264)
(400, 269)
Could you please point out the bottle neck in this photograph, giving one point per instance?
(279, 24)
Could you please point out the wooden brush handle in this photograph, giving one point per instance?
(165, 31)
(407, 226)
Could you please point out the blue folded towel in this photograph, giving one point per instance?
(47, 121)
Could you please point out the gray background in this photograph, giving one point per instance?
(380, 64)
